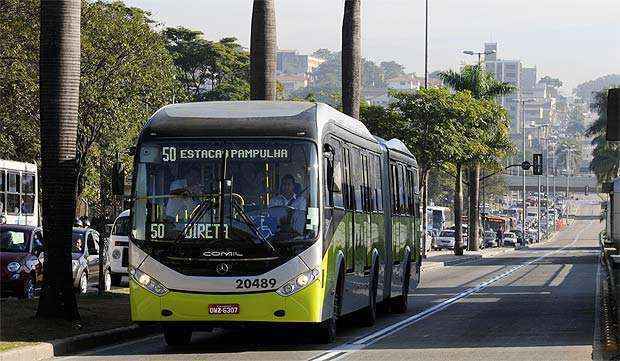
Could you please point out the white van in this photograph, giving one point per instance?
(118, 251)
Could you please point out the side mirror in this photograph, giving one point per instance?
(613, 115)
(118, 179)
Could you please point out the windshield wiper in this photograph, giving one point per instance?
(200, 210)
(250, 223)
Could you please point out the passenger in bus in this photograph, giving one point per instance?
(77, 245)
(180, 205)
(290, 197)
(183, 192)
(250, 183)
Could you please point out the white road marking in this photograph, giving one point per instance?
(350, 347)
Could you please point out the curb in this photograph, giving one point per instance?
(59, 347)
(434, 265)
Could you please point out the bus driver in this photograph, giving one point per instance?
(289, 198)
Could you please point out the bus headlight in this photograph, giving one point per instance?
(298, 283)
(149, 283)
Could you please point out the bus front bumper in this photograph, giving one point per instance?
(178, 306)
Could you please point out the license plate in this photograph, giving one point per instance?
(223, 309)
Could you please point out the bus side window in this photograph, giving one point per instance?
(346, 178)
(410, 204)
(378, 183)
(333, 176)
(356, 175)
(2, 190)
(394, 188)
(13, 193)
(402, 190)
(366, 194)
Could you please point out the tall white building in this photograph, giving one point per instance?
(508, 71)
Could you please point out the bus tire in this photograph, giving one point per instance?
(177, 336)
(401, 302)
(326, 330)
(369, 314)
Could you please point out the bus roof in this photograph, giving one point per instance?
(249, 118)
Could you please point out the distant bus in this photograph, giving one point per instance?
(269, 212)
(19, 202)
(439, 218)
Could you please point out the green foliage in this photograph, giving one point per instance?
(479, 82)
(126, 74)
(19, 80)
(206, 69)
(606, 155)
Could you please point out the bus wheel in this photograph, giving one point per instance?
(326, 331)
(177, 336)
(370, 313)
(400, 303)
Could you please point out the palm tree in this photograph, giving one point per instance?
(59, 79)
(263, 47)
(482, 86)
(606, 155)
(352, 58)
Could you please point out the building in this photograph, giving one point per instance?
(507, 71)
(405, 82)
(290, 62)
(292, 82)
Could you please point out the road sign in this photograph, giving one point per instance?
(525, 165)
(538, 164)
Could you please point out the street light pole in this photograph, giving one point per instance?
(426, 50)
(523, 178)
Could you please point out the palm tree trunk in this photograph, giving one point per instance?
(458, 211)
(59, 80)
(352, 58)
(263, 47)
(474, 195)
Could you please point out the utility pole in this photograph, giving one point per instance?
(547, 176)
(426, 50)
(523, 179)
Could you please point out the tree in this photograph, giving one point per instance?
(426, 122)
(206, 69)
(605, 155)
(391, 69)
(263, 49)
(352, 58)
(482, 85)
(19, 82)
(117, 44)
(59, 80)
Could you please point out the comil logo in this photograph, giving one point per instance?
(222, 254)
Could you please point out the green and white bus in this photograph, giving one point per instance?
(269, 212)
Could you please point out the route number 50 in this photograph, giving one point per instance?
(157, 231)
(169, 154)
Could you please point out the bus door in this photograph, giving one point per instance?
(360, 219)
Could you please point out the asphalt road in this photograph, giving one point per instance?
(533, 304)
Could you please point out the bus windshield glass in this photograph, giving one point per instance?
(238, 194)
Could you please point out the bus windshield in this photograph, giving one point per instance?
(239, 194)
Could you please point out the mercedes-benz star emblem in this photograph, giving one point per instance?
(222, 268)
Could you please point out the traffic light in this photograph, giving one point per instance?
(586, 190)
(538, 164)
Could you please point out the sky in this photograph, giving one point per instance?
(574, 40)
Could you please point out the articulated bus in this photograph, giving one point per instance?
(269, 212)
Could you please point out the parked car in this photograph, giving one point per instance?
(510, 239)
(21, 260)
(118, 251)
(445, 239)
(85, 255)
(490, 239)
